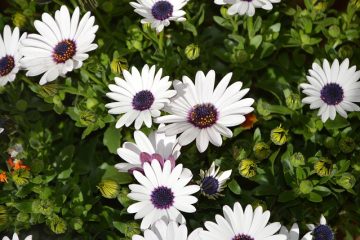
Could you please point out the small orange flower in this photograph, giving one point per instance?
(3, 177)
(17, 164)
(250, 119)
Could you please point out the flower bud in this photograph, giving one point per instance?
(293, 100)
(346, 181)
(346, 51)
(297, 159)
(247, 168)
(323, 167)
(21, 177)
(118, 65)
(4, 217)
(329, 143)
(109, 188)
(87, 118)
(347, 144)
(261, 150)
(306, 187)
(279, 136)
(19, 20)
(56, 224)
(22, 217)
(192, 51)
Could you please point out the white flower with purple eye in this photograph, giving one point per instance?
(239, 224)
(321, 231)
(294, 233)
(246, 7)
(9, 54)
(146, 149)
(162, 230)
(162, 193)
(61, 45)
(213, 182)
(332, 89)
(159, 13)
(16, 237)
(202, 113)
(140, 96)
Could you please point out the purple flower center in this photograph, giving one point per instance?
(210, 185)
(143, 100)
(7, 64)
(64, 50)
(323, 232)
(332, 94)
(203, 115)
(162, 10)
(242, 237)
(162, 197)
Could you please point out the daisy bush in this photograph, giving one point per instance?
(179, 119)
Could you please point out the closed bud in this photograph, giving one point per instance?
(329, 142)
(247, 168)
(21, 177)
(19, 20)
(46, 207)
(297, 159)
(91, 103)
(118, 65)
(279, 136)
(192, 51)
(293, 100)
(131, 229)
(346, 181)
(87, 118)
(323, 167)
(4, 217)
(306, 187)
(56, 224)
(261, 150)
(109, 188)
(347, 144)
(22, 217)
(346, 51)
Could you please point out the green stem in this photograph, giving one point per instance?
(92, 77)
(250, 26)
(161, 40)
(102, 21)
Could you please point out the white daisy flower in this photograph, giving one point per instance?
(140, 96)
(293, 233)
(242, 225)
(198, 111)
(145, 149)
(246, 7)
(1, 130)
(321, 231)
(16, 237)
(162, 193)
(159, 13)
(213, 182)
(9, 54)
(61, 45)
(332, 89)
(168, 231)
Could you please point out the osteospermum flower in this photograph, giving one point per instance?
(333, 89)
(213, 182)
(202, 113)
(294, 233)
(16, 237)
(168, 231)
(61, 45)
(162, 193)
(140, 96)
(246, 7)
(321, 231)
(159, 13)
(146, 149)
(242, 225)
(9, 55)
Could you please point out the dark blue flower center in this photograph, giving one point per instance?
(210, 185)
(242, 237)
(162, 10)
(143, 100)
(323, 232)
(203, 115)
(332, 94)
(162, 198)
(7, 64)
(64, 50)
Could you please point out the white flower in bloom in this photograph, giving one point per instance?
(294, 233)
(239, 225)
(246, 7)
(162, 193)
(9, 54)
(145, 149)
(320, 232)
(332, 89)
(16, 237)
(202, 113)
(212, 181)
(159, 13)
(61, 45)
(140, 96)
(168, 231)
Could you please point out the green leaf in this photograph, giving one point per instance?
(234, 187)
(287, 196)
(112, 173)
(314, 197)
(112, 138)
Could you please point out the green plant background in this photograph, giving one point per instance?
(70, 141)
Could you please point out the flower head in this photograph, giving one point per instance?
(321, 231)
(109, 188)
(16, 237)
(279, 135)
(161, 192)
(333, 89)
(247, 168)
(159, 13)
(213, 182)
(203, 113)
(323, 167)
(246, 7)
(10, 55)
(239, 224)
(140, 96)
(61, 45)
(3, 177)
(293, 233)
